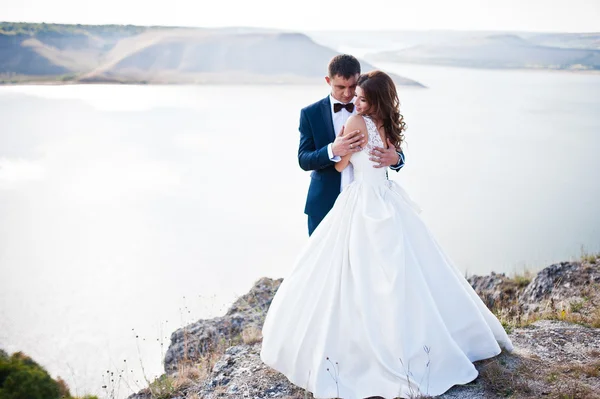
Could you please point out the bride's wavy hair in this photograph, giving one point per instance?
(384, 105)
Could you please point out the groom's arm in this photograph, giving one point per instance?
(400, 163)
(309, 157)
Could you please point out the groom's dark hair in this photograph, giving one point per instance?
(344, 65)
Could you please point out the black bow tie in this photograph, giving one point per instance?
(337, 107)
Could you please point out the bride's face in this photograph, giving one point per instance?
(360, 102)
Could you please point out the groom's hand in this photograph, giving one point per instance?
(345, 144)
(384, 157)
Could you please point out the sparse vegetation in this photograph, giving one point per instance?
(589, 257)
(576, 306)
(522, 280)
(583, 310)
(522, 377)
(498, 379)
(512, 316)
(251, 335)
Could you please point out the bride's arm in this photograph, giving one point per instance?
(355, 122)
(339, 166)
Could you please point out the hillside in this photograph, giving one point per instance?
(131, 54)
(590, 41)
(395, 40)
(503, 51)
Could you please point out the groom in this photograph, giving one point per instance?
(323, 141)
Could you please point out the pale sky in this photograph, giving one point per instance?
(519, 15)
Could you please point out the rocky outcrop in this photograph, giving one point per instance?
(552, 358)
(192, 342)
(565, 280)
(495, 289)
(243, 374)
(555, 288)
(558, 342)
(543, 352)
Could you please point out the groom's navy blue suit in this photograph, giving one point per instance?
(316, 133)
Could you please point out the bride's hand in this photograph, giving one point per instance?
(345, 144)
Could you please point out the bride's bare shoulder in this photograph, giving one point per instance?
(355, 122)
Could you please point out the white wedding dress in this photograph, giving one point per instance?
(373, 306)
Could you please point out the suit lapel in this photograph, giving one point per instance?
(327, 118)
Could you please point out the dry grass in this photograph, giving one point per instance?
(251, 335)
(585, 311)
(162, 387)
(190, 372)
(589, 257)
(512, 376)
(204, 365)
(498, 379)
(577, 312)
(523, 280)
(220, 390)
(591, 370)
(188, 375)
(167, 386)
(595, 321)
(572, 389)
(530, 378)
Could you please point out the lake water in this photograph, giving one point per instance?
(134, 210)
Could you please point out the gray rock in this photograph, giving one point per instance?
(557, 341)
(240, 373)
(560, 281)
(190, 343)
(495, 289)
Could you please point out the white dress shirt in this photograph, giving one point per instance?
(339, 119)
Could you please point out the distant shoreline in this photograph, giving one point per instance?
(533, 70)
(264, 81)
(575, 71)
(133, 83)
(180, 79)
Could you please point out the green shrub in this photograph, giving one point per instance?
(23, 378)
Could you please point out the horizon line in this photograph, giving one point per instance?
(304, 30)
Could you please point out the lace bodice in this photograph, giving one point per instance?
(363, 166)
(374, 137)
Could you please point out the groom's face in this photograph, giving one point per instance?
(342, 89)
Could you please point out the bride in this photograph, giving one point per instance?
(373, 306)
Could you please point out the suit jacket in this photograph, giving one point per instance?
(316, 133)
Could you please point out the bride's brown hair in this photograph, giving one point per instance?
(384, 106)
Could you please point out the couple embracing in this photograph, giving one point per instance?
(373, 306)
